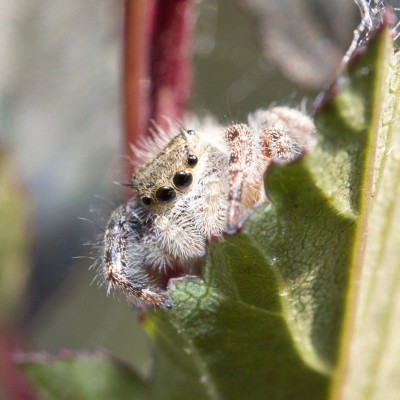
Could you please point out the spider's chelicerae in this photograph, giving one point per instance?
(193, 186)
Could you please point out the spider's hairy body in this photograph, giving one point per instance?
(197, 186)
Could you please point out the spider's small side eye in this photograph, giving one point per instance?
(190, 132)
(183, 179)
(146, 200)
(192, 160)
(165, 194)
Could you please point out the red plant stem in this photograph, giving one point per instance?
(137, 39)
(158, 37)
(171, 69)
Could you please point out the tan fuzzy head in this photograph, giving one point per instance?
(162, 180)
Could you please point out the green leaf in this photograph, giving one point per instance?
(83, 377)
(315, 227)
(227, 339)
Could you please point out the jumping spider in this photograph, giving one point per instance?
(190, 189)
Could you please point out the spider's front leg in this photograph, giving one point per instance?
(241, 153)
(122, 259)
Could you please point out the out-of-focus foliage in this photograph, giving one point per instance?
(308, 52)
(14, 243)
(89, 377)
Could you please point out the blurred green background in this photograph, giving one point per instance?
(61, 140)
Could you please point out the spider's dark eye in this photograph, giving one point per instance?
(146, 200)
(192, 160)
(183, 179)
(190, 132)
(165, 194)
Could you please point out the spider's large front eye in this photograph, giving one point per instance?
(190, 132)
(183, 179)
(165, 194)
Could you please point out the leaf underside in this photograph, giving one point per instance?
(279, 310)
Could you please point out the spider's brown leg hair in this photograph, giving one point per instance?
(239, 138)
(115, 260)
(284, 132)
(280, 145)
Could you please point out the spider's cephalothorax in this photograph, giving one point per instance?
(199, 185)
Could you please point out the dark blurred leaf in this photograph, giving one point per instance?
(83, 377)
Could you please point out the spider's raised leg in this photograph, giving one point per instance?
(124, 227)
